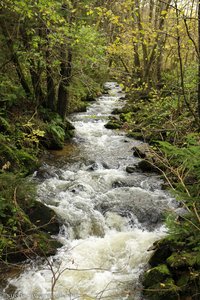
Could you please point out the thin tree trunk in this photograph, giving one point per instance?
(158, 45)
(140, 27)
(51, 94)
(136, 72)
(199, 60)
(15, 60)
(151, 7)
(65, 72)
(36, 82)
(181, 65)
(33, 69)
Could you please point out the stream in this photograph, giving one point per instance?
(110, 217)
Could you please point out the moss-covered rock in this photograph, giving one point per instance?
(184, 271)
(142, 151)
(43, 217)
(156, 275)
(30, 245)
(163, 290)
(114, 123)
(25, 224)
(184, 259)
(135, 135)
(162, 250)
(147, 166)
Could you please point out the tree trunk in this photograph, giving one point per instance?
(15, 60)
(51, 94)
(34, 69)
(199, 60)
(36, 82)
(158, 45)
(140, 27)
(65, 72)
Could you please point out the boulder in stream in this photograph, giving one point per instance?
(43, 217)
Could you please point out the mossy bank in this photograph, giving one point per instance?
(171, 148)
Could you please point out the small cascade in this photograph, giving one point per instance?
(109, 217)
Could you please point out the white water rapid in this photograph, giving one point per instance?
(110, 217)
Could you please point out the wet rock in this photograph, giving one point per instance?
(147, 166)
(93, 167)
(77, 188)
(117, 111)
(162, 250)
(113, 125)
(114, 122)
(118, 184)
(163, 290)
(136, 135)
(156, 275)
(43, 217)
(184, 259)
(123, 97)
(148, 208)
(130, 169)
(142, 151)
(148, 162)
(45, 172)
(105, 165)
(68, 125)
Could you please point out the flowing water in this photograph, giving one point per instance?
(110, 217)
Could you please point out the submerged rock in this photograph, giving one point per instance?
(43, 217)
(130, 169)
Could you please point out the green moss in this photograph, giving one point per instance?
(183, 280)
(113, 125)
(156, 275)
(164, 290)
(184, 259)
(135, 135)
(20, 236)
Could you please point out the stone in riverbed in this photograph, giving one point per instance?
(113, 123)
(43, 217)
(130, 169)
(156, 275)
(142, 151)
(147, 166)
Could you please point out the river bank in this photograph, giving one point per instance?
(172, 152)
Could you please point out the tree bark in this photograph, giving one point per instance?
(158, 45)
(51, 94)
(34, 69)
(140, 27)
(198, 60)
(65, 72)
(15, 60)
